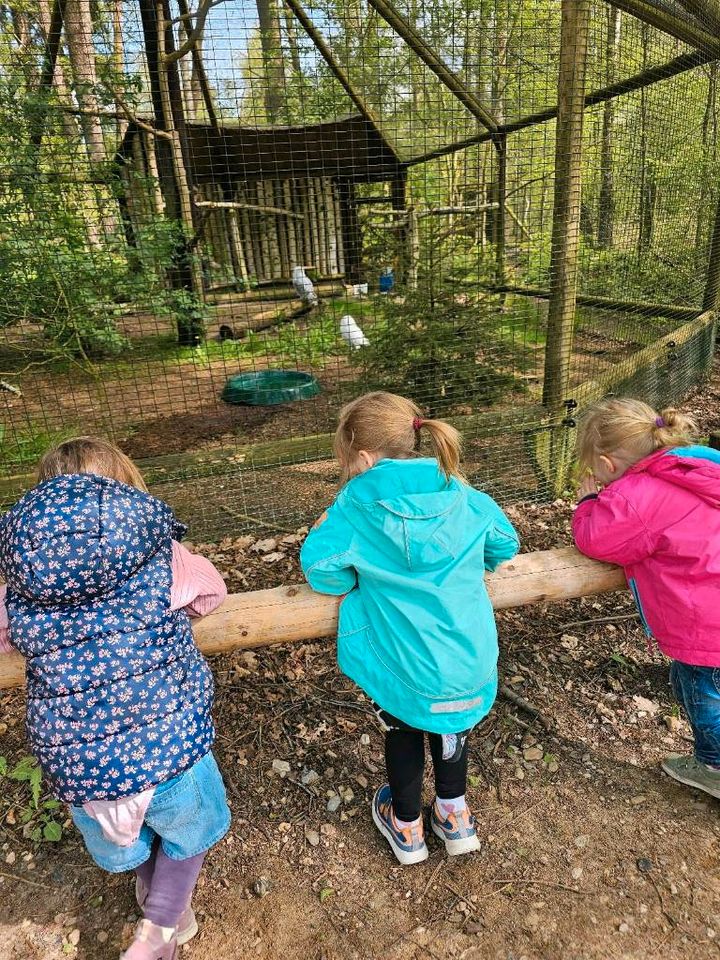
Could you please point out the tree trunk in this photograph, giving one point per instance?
(271, 43)
(69, 124)
(79, 34)
(606, 202)
(291, 32)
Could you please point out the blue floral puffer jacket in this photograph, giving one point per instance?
(119, 697)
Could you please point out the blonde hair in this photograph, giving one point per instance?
(390, 425)
(631, 429)
(90, 455)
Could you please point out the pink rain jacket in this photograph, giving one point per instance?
(661, 522)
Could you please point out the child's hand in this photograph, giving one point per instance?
(588, 487)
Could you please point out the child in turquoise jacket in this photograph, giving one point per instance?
(408, 540)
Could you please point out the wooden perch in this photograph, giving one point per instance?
(232, 205)
(293, 613)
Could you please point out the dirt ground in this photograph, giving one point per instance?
(589, 851)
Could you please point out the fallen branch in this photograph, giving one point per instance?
(293, 613)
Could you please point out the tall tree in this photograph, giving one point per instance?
(271, 43)
(79, 33)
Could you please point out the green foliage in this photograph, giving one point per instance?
(36, 813)
(444, 350)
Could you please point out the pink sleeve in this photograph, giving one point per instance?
(197, 587)
(5, 645)
(609, 528)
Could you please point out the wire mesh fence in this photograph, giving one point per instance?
(504, 210)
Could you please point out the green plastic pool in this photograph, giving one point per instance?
(268, 387)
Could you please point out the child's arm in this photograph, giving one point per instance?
(325, 555)
(5, 645)
(197, 587)
(502, 542)
(607, 527)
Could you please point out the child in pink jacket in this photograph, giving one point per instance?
(657, 515)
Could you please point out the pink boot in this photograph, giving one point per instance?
(152, 943)
(187, 926)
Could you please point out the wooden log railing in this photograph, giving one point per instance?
(293, 613)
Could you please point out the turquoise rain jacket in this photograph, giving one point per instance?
(417, 631)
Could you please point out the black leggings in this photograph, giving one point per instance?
(405, 761)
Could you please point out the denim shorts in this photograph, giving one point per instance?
(189, 814)
(697, 689)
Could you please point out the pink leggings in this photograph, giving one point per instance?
(171, 884)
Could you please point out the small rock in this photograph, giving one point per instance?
(577, 872)
(361, 781)
(102, 936)
(328, 829)
(624, 927)
(673, 724)
(519, 773)
(334, 803)
(644, 865)
(365, 739)
(262, 887)
(282, 767)
(309, 777)
(582, 841)
(533, 753)
(636, 801)
(10, 857)
(474, 926)
(347, 794)
(532, 921)
(553, 766)
(711, 934)
(74, 937)
(312, 837)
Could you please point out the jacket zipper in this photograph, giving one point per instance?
(638, 603)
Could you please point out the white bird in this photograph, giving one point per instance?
(303, 286)
(351, 333)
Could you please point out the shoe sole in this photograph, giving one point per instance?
(406, 859)
(456, 847)
(686, 781)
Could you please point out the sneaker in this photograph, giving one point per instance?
(407, 843)
(456, 830)
(152, 943)
(187, 926)
(692, 773)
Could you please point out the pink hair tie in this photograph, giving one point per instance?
(417, 423)
(660, 422)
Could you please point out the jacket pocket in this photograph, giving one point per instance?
(638, 603)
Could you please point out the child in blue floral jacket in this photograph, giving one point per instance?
(118, 696)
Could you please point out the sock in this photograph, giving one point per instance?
(452, 805)
(405, 824)
(711, 766)
(173, 882)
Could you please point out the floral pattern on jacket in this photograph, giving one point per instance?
(119, 697)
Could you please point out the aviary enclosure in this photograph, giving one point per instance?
(504, 209)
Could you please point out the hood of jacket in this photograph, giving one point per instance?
(695, 468)
(419, 512)
(77, 537)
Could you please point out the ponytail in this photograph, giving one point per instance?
(673, 429)
(446, 444)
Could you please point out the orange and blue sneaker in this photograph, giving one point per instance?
(407, 843)
(456, 830)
